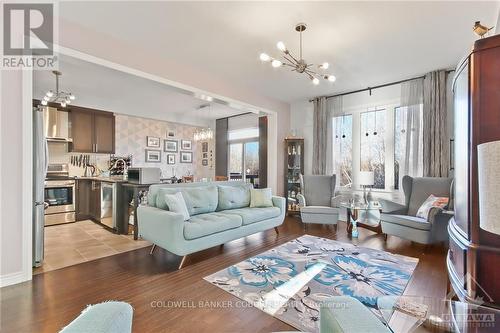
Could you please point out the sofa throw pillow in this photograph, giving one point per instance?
(262, 197)
(430, 202)
(177, 204)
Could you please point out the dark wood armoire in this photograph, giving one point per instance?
(474, 256)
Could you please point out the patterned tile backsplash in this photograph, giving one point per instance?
(131, 139)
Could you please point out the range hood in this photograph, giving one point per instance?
(56, 125)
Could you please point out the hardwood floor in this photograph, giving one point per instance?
(151, 283)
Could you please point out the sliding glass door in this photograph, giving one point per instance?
(244, 161)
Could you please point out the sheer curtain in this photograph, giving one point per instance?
(333, 161)
(411, 116)
(324, 111)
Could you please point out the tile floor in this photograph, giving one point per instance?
(74, 243)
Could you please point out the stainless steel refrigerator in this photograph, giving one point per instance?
(40, 165)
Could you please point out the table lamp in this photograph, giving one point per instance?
(366, 178)
(488, 158)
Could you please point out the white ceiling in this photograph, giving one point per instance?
(108, 89)
(366, 43)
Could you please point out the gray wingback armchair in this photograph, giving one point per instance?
(400, 220)
(316, 200)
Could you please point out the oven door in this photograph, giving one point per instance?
(60, 196)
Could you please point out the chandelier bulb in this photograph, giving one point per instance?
(50, 93)
(332, 78)
(44, 102)
(72, 97)
(46, 98)
(315, 81)
(276, 63)
(281, 46)
(63, 104)
(324, 65)
(265, 57)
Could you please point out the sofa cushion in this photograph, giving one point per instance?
(232, 197)
(199, 200)
(319, 210)
(210, 223)
(407, 221)
(252, 215)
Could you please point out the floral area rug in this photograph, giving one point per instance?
(290, 280)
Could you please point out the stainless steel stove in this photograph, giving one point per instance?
(59, 195)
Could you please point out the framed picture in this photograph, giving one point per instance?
(205, 155)
(170, 146)
(204, 147)
(170, 133)
(153, 141)
(186, 157)
(204, 162)
(153, 155)
(186, 145)
(170, 159)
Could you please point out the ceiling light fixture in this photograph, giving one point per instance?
(205, 133)
(61, 97)
(298, 65)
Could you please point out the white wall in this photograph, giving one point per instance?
(498, 24)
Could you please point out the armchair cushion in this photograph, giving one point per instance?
(407, 221)
(418, 189)
(392, 207)
(318, 190)
(319, 210)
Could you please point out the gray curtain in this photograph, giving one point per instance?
(436, 136)
(320, 136)
(411, 100)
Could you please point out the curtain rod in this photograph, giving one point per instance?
(377, 87)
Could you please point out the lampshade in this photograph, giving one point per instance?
(488, 155)
(366, 178)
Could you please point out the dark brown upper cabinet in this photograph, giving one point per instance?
(93, 131)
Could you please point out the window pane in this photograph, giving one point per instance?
(244, 133)
(342, 149)
(236, 160)
(408, 143)
(372, 154)
(252, 162)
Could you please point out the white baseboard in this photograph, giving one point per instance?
(13, 278)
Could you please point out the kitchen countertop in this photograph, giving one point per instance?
(112, 179)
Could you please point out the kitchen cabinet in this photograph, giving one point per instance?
(88, 200)
(82, 206)
(95, 200)
(92, 131)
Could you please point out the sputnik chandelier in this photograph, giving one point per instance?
(298, 65)
(61, 97)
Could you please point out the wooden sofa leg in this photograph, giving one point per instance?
(182, 262)
(152, 249)
(277, 231)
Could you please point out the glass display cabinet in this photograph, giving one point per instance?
(294, 166)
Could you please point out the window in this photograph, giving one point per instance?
(373, 146)
(408, 143)
(244, 155)
(342, 149)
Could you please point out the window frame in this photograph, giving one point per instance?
(243, 141)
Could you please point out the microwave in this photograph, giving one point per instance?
(144, 175)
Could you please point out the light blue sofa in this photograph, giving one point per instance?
(219, 213)
(106, 317)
